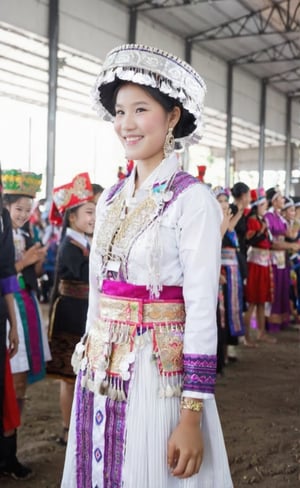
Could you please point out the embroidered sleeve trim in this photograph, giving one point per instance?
(199, 373)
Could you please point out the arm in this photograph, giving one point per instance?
(255, 231)
(200, 251)
(235, 219)
(13, 338)
(279, 243)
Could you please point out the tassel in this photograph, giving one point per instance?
(169, 391)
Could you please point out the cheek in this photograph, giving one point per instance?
(117, 126)
(156, 124)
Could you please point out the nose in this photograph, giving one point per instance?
(128, 121)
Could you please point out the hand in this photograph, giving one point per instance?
(227, 214)
(295, 246)
(185, 450)
(33, 254)
(222, 279)
(41, 252)
(13, 342)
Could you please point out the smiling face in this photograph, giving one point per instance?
(83, 219)
(289, 213)
(141, 124)
(278, 202)
(20, 211)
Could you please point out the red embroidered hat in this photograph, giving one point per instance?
(75, 193)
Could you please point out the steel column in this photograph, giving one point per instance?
(188, 51)
(288, 152)
(229, 89)
(133, 14)
(52, 94)
(262, 126)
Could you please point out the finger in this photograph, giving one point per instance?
(198, 463)
(181, 464)
(172, 455)
(190, 469)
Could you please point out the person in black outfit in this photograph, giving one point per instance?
(68, 310)
(241, 194)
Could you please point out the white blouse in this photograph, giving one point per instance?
(188, 245)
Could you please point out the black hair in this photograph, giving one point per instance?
(97, 188)
(186, 124)
(253, 211)
(239, 189)
(66, 219)
(270, 193)
(8, 198)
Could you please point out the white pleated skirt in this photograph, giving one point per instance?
(130, 450)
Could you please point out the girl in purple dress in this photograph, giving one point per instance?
(280, 309)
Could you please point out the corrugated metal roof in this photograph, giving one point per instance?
(261, 35)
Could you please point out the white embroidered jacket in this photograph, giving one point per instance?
(189, 243)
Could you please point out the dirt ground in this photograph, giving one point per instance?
(259, 404)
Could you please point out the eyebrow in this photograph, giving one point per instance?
(142, 102)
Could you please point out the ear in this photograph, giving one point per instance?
(174, 116)
(72, 217)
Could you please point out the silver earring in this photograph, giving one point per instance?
(169, 144)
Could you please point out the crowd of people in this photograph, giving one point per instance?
(260, 281)
(148, 300)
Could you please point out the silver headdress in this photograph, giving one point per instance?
(155, 68)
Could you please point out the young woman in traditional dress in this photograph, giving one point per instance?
(231, 275)
(144, 413)
(70, 294)
(280, 309)
(28, 365)
(259, 287)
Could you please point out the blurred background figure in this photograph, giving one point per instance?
(259, 286)
(28, 365)
(69, 303)
(279, 316)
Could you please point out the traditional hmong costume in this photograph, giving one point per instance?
(33, 349)
(280, 310)
(151, 328)
(233, 288)
(69, 310)
(259, 287)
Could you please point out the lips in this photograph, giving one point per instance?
(132, 140)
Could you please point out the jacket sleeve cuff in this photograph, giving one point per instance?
(199, 373)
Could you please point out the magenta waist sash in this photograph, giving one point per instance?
(128, 290)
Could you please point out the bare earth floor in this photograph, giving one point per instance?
(259, 405)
